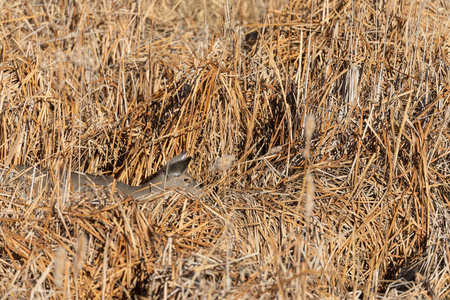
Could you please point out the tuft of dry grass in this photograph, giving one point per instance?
(60, 262)
(338, 113)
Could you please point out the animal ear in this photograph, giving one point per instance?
(179, 166)
(178, 158)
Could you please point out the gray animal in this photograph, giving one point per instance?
(173, 174)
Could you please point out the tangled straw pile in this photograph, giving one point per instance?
(319, 130)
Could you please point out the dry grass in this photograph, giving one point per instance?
(337, 113)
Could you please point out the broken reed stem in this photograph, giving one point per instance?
(310, 126)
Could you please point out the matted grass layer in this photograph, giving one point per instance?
(337, 113)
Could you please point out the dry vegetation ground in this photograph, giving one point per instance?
(357, 208)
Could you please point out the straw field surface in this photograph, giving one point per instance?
(319, 132)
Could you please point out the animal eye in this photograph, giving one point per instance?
(186, 179)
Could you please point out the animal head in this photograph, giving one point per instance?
(174, 174)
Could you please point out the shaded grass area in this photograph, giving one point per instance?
(355, 206)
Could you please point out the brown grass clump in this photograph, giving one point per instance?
(330, 120)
